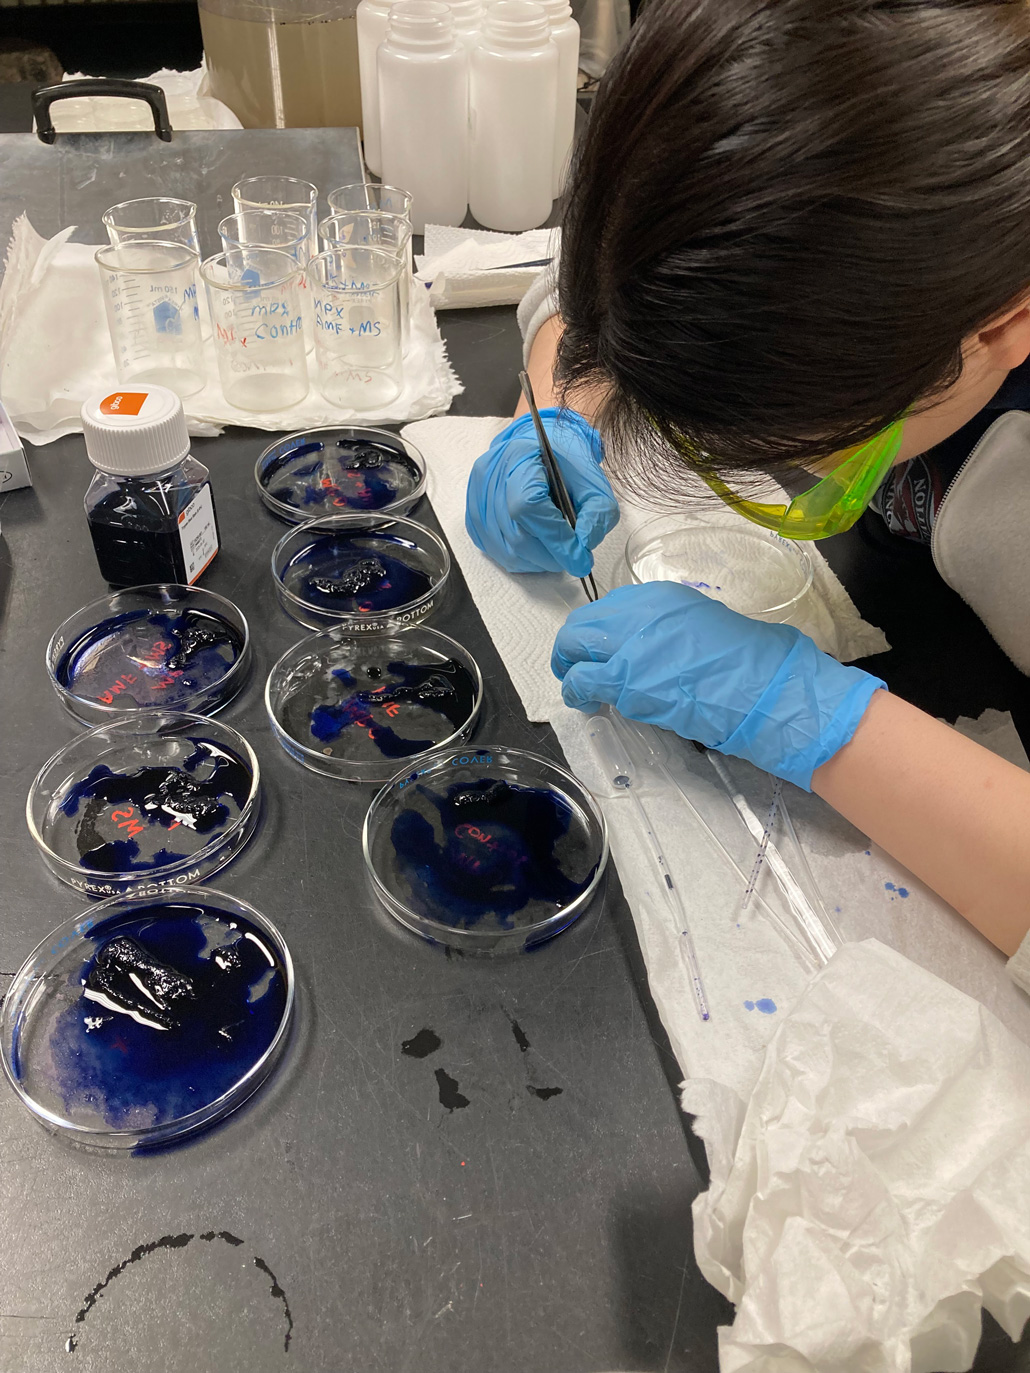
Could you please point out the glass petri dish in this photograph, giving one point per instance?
(749, 569)
(339, 469)
(151, 801)
(362, 573)
(144, 1020)
(164, 646)
(356, 707)
(490, 851)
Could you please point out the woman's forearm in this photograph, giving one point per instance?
(952, 812)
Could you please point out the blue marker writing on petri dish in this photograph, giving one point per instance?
(175, 1006)
(147, 657)
(496, 854)
(124, 821)
(354, 474)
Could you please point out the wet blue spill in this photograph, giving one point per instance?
(219, 987)
(764, 1004)
(148, 657)
(354, 474)
(497, 856)
(444, 688)
(356, 572)
(124, 821)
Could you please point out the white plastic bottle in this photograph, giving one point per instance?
(423, 111)
(371, 18)
(468, 20)
(513, 92)
(565, 35)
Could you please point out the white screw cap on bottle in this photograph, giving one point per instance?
(135, 430)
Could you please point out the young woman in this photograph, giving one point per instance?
(798, 240)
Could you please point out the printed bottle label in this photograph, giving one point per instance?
(198, 533)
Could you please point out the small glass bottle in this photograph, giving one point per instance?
(150, 509)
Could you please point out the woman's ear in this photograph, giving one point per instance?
(1006, 340)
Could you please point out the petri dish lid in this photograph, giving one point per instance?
(162, 646)
(144, 1020)
(366, 573)
(751, 570)
(157, 799)
(493, 850)
(355, 707)
(337, 469)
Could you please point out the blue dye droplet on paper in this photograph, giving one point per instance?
(766, 1005)
(749, 1005)
(898, 891)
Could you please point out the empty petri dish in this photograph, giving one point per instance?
(749, 569)
(151, 801)
(363, 573)
(356, 706)
(338, 469)
(490, 851)
(146, 1019)
(163, 646)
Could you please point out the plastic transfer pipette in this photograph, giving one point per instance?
(770, 820)
(615, 752)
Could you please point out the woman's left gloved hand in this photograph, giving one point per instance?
(667, 655)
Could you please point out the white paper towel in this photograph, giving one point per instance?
(753, 977)
(880, 1188)
(55, 349)
(470, 267)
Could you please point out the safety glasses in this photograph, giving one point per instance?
(834, 503)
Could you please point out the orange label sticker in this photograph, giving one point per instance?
(123, 403)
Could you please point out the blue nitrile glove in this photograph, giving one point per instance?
(665, 654)
(509, 513)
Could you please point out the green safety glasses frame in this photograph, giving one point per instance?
(834, 503)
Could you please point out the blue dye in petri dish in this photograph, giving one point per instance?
(152, 1015)
(492, 850)
(346, 573)
(147, 819)
(144, 658)
(311, 474)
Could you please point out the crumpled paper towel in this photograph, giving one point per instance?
(55, 349)
(187, 95)
(753, 976)
(880, 1188)
(465, 267)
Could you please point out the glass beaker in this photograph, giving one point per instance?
(369, 195)
(172, 221)
(150, 294)
(388, 232)
(284, 63)
(282, 229)
(254, 297)
(280, 193)
(356, 307)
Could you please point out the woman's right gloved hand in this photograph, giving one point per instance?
(509, 513)
(666, 655)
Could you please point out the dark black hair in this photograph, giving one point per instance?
(785, 217)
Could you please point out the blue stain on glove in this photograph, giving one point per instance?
(667, 655)
(509, 513)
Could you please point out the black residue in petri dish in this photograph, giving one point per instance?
(350, 474)
(224, 993)
(420, 706)
(496, 858)
(149, 658)
(142, 820)
(357, 572)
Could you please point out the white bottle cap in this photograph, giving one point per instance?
(135, 430)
